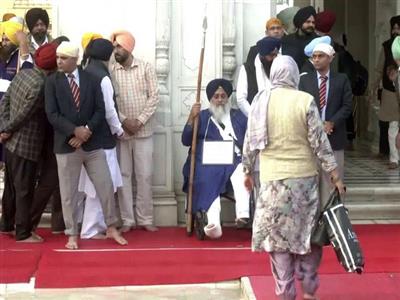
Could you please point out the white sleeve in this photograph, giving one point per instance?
(241, 92)
(111, 113)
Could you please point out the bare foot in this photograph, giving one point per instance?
(56, 232)
(124, 229)
(34, 234)
(150, 228)
(113, 233)
(12, 232)
(72, 242)
(309, 297)
(99, 236)
(32, 239)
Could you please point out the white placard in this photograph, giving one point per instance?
(4, 84)
(218, 152)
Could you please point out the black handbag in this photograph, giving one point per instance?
(335, 225)
(320, 235)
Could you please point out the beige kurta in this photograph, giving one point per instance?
(389, 108)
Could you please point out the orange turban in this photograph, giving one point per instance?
(8, 16)
(88, 37)
(273, 21)
(125, 39)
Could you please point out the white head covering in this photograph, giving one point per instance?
(68, 49)
(325, 48)
(17, 19)
(284, 72)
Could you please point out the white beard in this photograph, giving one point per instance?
(218, 111)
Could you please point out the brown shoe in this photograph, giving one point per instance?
(393, 166)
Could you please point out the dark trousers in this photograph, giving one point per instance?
(19, 185)
(383, 138)
(48, 189)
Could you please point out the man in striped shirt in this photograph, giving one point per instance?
(137, 99)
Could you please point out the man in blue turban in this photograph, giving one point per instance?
(98, 53)
(254, 74)
(218, 123)
(308, 66)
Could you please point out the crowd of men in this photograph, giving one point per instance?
(74, 134)
(80, 135)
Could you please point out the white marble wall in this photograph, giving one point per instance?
(168, 34)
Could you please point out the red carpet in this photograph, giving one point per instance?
(168, 256)
(370, 286)
(18, 266)
(59, 270)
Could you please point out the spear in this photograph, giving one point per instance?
(189, 215)
(19, 50)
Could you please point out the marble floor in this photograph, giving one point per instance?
(364, 168)
(229, 290)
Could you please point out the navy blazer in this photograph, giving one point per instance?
(64, 117)
(339, 105)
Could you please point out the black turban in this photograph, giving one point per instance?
(394, 20)
(99, 49)
(213, 86)
(302, 15)
(267, 45)
(35, 14)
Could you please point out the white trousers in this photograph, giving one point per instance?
(93, 217)
(392, 133)
(242, 198)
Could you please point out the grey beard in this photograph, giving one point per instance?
(218, 111)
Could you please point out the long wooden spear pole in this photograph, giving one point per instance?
(19, 50)
(189, 215)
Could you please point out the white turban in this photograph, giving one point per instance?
(325, 48)
(68, 49)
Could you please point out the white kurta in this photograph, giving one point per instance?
(241, 89)
(93, 218)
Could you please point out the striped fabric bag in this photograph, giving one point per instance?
(342, 236)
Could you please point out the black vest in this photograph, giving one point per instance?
(99, 70)
(389, 61)
(252, 86)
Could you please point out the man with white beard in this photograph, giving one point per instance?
(216, 163)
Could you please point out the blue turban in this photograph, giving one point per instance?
(308, 50)
(267, 45)
(100, 49)
(213, 86)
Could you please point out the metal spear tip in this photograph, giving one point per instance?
(205, 23)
